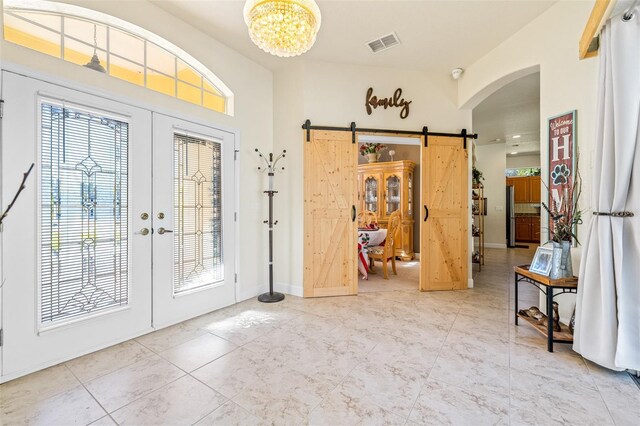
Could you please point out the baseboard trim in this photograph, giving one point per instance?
(248, 293)
(495, 245)
(254, 291)
(285, 288)
(470, 283)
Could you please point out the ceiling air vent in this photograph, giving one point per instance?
(383, 43)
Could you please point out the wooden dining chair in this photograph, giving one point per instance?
(366, 218)
(387, 251)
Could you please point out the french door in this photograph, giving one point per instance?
(193, 253)
(89, 259)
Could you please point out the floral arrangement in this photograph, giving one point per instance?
(565, 214)
(371, 148)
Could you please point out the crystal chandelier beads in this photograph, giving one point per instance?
(283, 28)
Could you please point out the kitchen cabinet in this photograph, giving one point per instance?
(521, 190)
(523, 229)
(526, 189)
(534, 189)
(528, 229)
(535, 229)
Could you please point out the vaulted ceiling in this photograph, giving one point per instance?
(435, 35)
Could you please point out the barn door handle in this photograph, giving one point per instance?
(353, 213)
(426, 213)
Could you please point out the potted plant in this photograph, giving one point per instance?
(371, 151)
(477, 176)
(565, 217)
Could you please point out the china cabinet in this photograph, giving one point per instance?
(387, 187)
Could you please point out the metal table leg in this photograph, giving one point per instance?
(550, 319)
(515, 284)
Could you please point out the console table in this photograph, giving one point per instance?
(551, 288)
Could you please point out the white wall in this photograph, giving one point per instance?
(253, 89)
(548, 44)
(289, 90)
(334, 95)
(523, 161)
(491, 161)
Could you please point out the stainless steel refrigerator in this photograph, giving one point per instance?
(511, 218)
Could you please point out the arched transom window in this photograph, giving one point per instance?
(124, 50)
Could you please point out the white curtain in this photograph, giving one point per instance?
(608, 303)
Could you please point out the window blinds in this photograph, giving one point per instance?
(198, 260)
(83, 213)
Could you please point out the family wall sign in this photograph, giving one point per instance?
(396, 101)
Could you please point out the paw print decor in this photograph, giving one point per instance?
(560, 174)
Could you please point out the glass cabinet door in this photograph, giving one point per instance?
(392, 186)
(410, 195)
(371, 194)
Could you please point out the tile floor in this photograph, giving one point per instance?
(407, 278)
(397, 357)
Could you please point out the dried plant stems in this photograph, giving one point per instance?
(20, 189)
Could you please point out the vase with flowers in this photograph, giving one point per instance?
(565, 218)
(372, 151)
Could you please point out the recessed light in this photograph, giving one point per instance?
(514, 152)
(515, 136)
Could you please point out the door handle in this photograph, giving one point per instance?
(353, 213)
(163, 231)
(426, 213)
(143, 231)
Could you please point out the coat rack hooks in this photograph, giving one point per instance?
(271, 166)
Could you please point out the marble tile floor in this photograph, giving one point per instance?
(392, 357)
(408, 278)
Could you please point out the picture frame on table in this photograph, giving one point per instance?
(542, 261)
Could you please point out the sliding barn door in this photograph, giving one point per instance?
(330, 230)
(445, 215)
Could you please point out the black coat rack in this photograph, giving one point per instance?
(270, 168)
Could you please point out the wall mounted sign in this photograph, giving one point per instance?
(562, 159)
(397, 101)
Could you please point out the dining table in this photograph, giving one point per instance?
(368, 238)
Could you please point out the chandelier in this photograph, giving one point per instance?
(283, 28)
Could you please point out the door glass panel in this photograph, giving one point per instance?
(197, 213)
(371, 194)
(410, 195)
(83, 214)
(393, 194)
